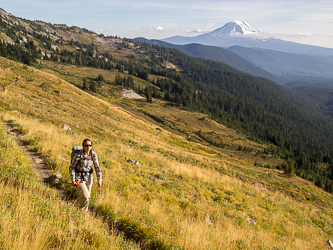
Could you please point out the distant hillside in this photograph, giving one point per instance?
(315, 98)
(320, 84)
(291, 66)
(287, 61)
(217, 54)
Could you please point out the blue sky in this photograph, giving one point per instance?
(308, 22)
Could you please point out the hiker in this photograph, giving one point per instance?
(81, 172)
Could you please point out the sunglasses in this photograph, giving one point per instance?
(89, 145)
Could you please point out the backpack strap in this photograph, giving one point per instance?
(92, 158)
(92, 155)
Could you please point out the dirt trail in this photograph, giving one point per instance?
(38, 164)
(41, 169)
(14, 82)
(3, 89)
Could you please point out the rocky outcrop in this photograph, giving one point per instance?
(134, 161)
(330, 243)
(251, 221)
(53, 179)
(128, 93)
(17, 112)
(37, 160)
(205, 217)
(66, 127)
(258, 185)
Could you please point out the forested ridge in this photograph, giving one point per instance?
(216, 54)
(261, 109)
(254, 106)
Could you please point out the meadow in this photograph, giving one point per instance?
(184, 194)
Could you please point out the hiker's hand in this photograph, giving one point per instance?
(74, 183)
(99, 184)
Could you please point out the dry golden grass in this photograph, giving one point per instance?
(29, 220)
(176, 179)
(34, 217)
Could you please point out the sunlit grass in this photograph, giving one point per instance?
(161, 199)
(34, 217)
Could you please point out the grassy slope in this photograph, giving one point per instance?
(162, 198)
(32, 215)
(184, 123)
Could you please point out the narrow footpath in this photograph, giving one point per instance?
(3, 89)
(38, 164)
(41, 169)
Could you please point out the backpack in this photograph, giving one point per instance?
(75, 150)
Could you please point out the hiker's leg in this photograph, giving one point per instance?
(90, 183)
(85, 194)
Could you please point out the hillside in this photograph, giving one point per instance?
(315, 97)
(199, 182)
(291, 66)
(33, 216)
(217, 54)
(254, 106)
(164, 197)
(302, 84)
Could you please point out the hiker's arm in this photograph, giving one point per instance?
(98, 170)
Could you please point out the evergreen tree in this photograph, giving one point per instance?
(93, 86)
(289, 169)
(84, 84)
(148, 94)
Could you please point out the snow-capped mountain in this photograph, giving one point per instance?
(235, 28)
(242, 34)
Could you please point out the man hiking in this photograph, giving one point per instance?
(81, 172)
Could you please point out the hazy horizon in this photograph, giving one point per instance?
(305, 22)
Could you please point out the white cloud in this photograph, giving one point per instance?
(200, 31)
(158, 28)
(304, 34)
(299, 35)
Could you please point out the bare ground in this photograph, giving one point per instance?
(128, 93)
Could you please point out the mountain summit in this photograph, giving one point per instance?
(239, 33)
(235, 28)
